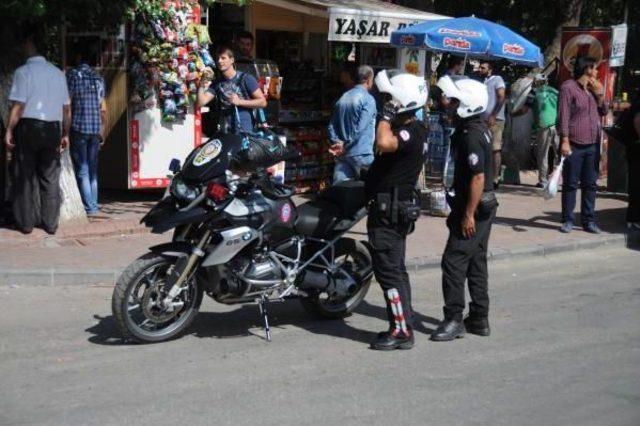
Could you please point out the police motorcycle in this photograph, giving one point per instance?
(239, 239)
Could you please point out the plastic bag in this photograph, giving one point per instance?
(551, 188)
(259, 152)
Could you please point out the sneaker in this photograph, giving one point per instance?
(591, 228)
(566, 227)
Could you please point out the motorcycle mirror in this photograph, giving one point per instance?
(174, 166)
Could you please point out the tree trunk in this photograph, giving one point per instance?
(570, 18)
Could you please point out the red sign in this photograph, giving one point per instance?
(457, 43)
(513, 49)
(592, 42)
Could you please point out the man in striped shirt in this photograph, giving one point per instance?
(581, 106)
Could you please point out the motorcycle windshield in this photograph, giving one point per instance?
(211, 159)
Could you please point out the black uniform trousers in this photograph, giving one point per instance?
(389, 248)
(35, 175)
(633, 161)
(466, 259)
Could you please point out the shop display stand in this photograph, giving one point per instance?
(307, 132)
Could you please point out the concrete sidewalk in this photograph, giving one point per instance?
(526, 225)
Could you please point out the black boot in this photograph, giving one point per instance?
(448, 330)
(387, 341)
(477, 325)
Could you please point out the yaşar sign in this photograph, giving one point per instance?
(365, 28)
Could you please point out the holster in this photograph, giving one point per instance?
(396, 212)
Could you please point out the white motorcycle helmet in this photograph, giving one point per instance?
(408, 91)
(472, 94)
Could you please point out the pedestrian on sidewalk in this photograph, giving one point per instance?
(494, 114)
(236, 94)
(632, 144)
(37, 132)
(88, 113)
(473, 208)
(580, 108)
(546, 110)
(245, 42)
(393, 209)
(352, 127)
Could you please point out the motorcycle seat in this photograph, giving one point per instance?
(349, 196)
(316, 218)
(334, 207)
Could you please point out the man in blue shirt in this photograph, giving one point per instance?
(88, 112)
(352, 128)
(233, 91)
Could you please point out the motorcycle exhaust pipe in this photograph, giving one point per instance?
(313, 280)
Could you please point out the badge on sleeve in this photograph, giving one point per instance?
(404, 135)
(473, 159)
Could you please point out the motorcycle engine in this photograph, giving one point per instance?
(236, 272)
(262, 268)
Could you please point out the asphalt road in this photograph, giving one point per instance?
(565, 350)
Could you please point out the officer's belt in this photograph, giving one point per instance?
(388, 206)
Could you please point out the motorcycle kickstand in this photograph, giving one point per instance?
(262, 304)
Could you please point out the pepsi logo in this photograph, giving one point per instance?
(407, 40)
(513, 49)
(457, 43)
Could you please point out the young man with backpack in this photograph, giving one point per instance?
(233, 91)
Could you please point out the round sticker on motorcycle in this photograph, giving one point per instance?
(285, 213)
(208, 152)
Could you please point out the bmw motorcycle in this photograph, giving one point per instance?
(240, 239)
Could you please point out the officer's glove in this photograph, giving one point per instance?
(389, 111)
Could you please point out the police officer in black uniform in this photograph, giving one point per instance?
(473, 208)
(393, 209)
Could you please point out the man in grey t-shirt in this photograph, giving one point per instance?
(494, 114)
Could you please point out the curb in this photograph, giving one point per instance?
(54, 276)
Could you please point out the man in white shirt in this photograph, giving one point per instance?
(37, 133)
(494, 114)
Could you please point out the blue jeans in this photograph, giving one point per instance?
(349, 168)
(84, 153)
(581, 167)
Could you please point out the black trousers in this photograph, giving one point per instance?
(633, 159)
(35, 175)
(389, 249)
(466, 259)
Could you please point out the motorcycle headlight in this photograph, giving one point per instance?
(182, 191)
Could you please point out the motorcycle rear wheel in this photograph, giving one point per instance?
(357, 254)
(136, 296)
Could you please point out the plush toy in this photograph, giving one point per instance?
(206, 57)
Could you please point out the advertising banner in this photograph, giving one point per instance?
(413, 61)
(618, 45)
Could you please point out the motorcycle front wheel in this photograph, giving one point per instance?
(356, 259)
(137, 301)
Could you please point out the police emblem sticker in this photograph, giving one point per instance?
(473, 159)
(208, 152)
(285, 213)
(404, 135)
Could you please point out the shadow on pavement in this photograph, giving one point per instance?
(611, 221)
(246, 321)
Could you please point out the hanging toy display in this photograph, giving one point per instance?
(169, 55)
